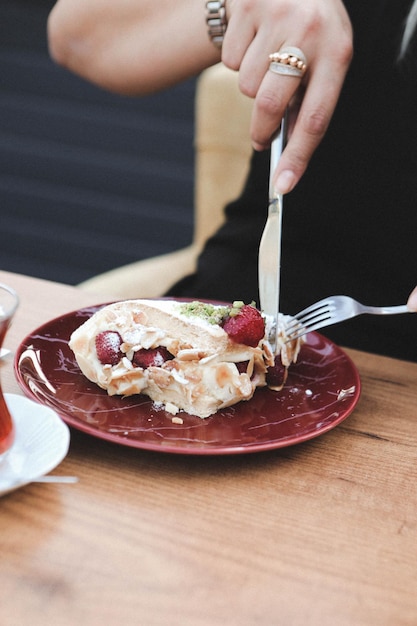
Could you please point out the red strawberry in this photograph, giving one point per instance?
(153, 356)
(276, 374)
(247, 326)
(108, 345)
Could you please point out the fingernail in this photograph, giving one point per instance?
(412, 300)
(285, 182)
(259, 147)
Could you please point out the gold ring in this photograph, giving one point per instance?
(289, 61)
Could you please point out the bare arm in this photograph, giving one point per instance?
(139, 46)
(132, 47)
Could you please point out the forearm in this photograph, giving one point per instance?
(131, 46)
(139, 46)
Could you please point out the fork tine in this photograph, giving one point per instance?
(309, 314)
(303, 329)
(314, 307)
(315, 316)
(318, 319)
(312, 318)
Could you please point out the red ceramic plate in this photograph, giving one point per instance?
(322, 389)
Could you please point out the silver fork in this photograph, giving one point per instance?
(333, 310)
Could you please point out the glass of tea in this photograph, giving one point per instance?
(9, 301)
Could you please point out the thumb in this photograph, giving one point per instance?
(412, 300)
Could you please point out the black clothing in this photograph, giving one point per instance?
(350, 226)
(228, 266)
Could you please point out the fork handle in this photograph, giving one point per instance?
(387, 310)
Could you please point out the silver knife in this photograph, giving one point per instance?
(269, 261)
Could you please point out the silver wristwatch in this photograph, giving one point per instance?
(216, 21)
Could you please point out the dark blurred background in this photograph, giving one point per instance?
(88, 180)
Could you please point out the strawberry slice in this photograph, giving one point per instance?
(246, 326)
(108, 345)
(152, 356)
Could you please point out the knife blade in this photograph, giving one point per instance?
(269, 260)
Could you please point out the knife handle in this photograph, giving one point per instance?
(277, 146)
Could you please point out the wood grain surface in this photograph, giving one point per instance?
(323, 533)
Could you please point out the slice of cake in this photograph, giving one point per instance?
(190, 356)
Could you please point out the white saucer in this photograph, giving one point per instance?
(41, 443)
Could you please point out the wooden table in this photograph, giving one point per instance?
(322, 533)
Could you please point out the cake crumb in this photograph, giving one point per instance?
(171, 408)
(177, 420)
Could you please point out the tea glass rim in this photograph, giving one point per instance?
(8, 312)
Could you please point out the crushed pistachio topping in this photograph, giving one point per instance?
(237, 305)
(211, 313)
(208, 312)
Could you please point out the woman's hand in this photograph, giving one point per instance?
(412, 300)
(322, 30)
